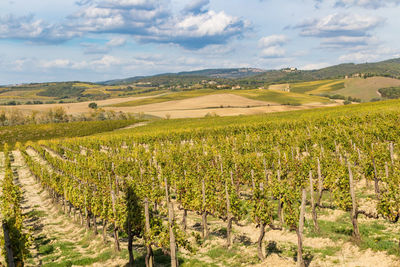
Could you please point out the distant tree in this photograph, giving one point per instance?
(3, 118)
(93, 105)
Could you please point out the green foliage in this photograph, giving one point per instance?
(390, 93)
(12, 218)
(92, 105)
(62, 90)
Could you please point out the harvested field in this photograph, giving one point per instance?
(225, 104)
(219, 104)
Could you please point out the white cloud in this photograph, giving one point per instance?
(272, 46)
(365, 3)
(34, 30)
(342, 30)
(339, 25)
(273, 52)
(107, 61)
(196, 6)
(358, 57)
(57, 63)
(371, 54)
(273, 40)
(152, 21)
(315, 66)
(116, 42)
(350, 42)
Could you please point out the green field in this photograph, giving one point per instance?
(306, 87)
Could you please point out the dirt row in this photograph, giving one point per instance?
(57, 238)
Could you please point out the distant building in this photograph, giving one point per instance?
(288, 70)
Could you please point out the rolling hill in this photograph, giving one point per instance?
(363, 81)
(253, 76)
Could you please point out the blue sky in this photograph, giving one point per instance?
(95, 40)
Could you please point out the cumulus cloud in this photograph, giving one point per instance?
(93, 48)
(83, 2)
(273, 52)
(315, 66)
(196, 6)
(273, 40)
(145, 20)
(369, 4)
(195, 31)
(151, 21)
(374, 4)
(35, 30)
(272, 46)
(358, 57)
(339, 25)
(353, 42)
(341, 30)
(116, 42)
(370, 54)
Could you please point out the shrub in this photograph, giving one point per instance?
(93, 105)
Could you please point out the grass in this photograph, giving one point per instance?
(374, 235)
(36, 213)
(305, 87)
(197, 263)
(330, 87)
(230, 257)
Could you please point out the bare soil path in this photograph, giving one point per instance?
(57, 238)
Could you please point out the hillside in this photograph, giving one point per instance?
(253, 76)
(233, 73)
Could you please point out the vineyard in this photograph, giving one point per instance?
(307, 188)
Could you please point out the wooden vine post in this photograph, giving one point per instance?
(229, 217)
(149, 255)
(171, 221)
(313, 206)
(204, 231)
(300, 229)
(354, 212)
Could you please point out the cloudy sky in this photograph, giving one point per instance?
(95, 40)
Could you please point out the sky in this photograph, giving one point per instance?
(97, 40)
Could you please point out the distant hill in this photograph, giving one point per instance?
(190, 76)
(257, 77)
(216, 79)
(388, 68)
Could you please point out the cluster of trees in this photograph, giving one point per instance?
(390, 92)
(347, 99)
